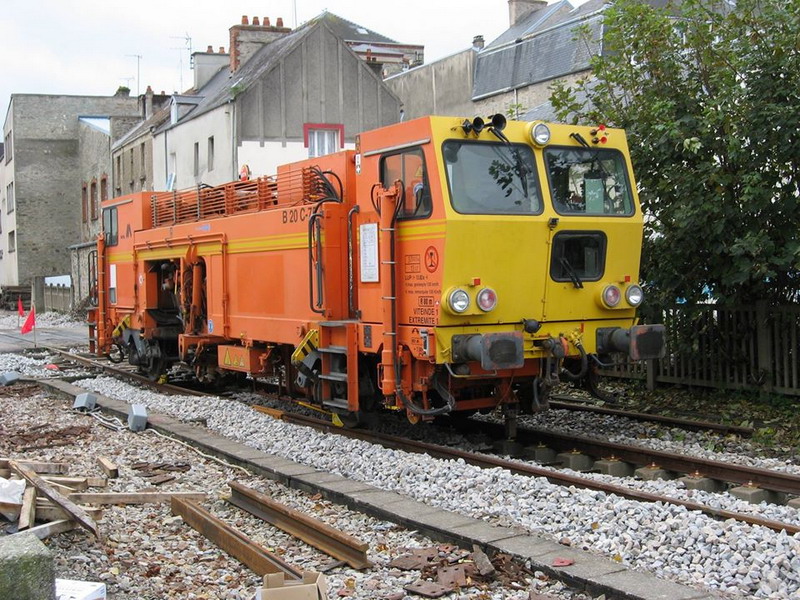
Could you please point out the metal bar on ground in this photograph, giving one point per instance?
(312, 531)
(232, 541)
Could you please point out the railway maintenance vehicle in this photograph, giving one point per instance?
(443, 266)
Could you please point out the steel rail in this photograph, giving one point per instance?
(489, 462)
(683, 423)
(764, 478)
(233, 541)
(302, 526)
(161, 387)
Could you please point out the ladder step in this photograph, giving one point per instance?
(342, 323)
(333, 376)
(333, 350)
(337, 403)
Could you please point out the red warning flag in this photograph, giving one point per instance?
(30, 322)
(20, 310)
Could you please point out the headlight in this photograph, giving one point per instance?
(611, 296)
(458, 301)
(487, 299)
(540, 134)
(634, 294)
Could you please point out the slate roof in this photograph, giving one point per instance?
(101, 124)
(549, 53)
(219, 89)
(351, 32)
(158, 118)
(530, 23)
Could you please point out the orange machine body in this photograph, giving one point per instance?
(334, 275)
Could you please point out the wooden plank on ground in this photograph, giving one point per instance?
(133, 497)
(52, 528)
(27, 514)
(56, 513)
(11, 508)
(233, 541)
(96, 482)
(54, 468)
(109, 468)
(77, 484)
(305, 527)
(69, 506)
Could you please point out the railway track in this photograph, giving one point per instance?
(767, 479)
(566, 402)
(520, 468)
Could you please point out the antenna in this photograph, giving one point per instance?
(294, 13)
(127, 81)
(187, 40)
(138, 58)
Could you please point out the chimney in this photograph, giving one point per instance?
(246, 39)
(148, 103)
(477, 42)
(519, 9)
(207, 64)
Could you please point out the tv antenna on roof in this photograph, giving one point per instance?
(187, 39)
(138, 58)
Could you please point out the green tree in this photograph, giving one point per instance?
(709, 93)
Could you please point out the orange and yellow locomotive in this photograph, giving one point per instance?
(444, 265)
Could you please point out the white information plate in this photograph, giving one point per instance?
(370, 267)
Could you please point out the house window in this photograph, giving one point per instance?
(118, 177)
(103, 188)
(10, 197)
(85, 202)
(93, 199)
(323, 138)
(12, 241)
(211, 153)
(196, 159)
(7, 147)
(141, 160)
(172, 176)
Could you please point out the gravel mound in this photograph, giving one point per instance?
(732, 557)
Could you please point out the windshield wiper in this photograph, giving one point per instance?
(573, 274)
(519, 167)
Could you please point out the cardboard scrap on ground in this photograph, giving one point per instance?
(313, 587)
(68, 589)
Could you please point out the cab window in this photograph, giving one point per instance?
(409, 168)
(588, 182)
(110, 226)
(488, 178)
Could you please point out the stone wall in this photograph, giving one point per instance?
(47, 176)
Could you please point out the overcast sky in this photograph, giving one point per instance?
(87, 46)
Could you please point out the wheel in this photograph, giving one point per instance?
(116, 354)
